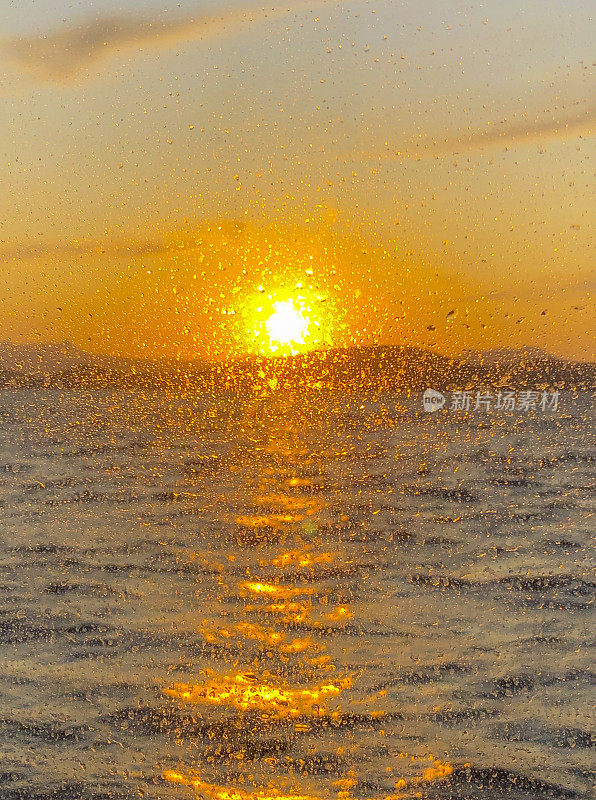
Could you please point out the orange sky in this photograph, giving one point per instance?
(160, 163)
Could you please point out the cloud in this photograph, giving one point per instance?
(68, 54)
(578, 121)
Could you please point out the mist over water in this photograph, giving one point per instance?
(319, 597)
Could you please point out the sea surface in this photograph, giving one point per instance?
(299, 597)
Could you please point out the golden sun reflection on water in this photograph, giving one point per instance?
(282, 683)
(270, 637)
(275, 590)
(405, 788)
(306, 504)
(301, 558)
(266, 521)
(244, 692)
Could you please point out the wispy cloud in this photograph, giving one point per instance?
(577, 121)
(71, 52)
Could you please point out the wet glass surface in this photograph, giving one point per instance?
(293, 598)
(297, 381)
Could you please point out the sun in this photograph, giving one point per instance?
(287, 326)
(284, 321)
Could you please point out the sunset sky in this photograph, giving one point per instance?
(416, 172)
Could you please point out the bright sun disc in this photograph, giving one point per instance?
(287, 325)
(285, 322)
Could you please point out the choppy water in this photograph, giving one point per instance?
(324, 599)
